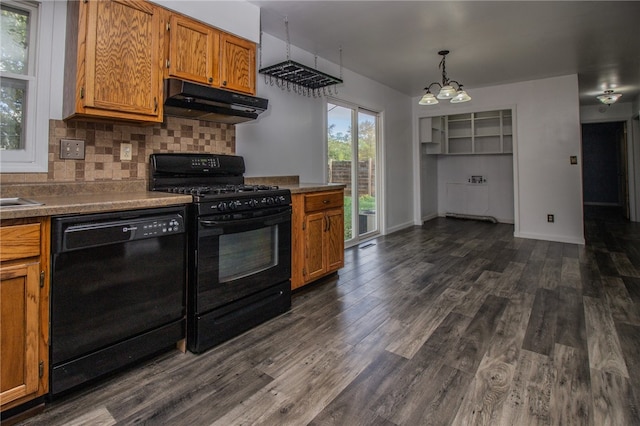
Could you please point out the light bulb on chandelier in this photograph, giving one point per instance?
(447, 90)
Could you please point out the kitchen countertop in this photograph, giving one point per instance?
(293, 184)
(84, 198)
(79, 198)
(94, 203)
(301, 188)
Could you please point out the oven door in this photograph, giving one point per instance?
(238, 255)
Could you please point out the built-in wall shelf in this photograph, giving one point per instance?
(485, 132)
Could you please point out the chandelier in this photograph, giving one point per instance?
(609, 97)
(447, 90)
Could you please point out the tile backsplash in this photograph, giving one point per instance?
(102, 148)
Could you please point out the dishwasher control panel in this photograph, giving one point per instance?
(102, 229)
(160, 227)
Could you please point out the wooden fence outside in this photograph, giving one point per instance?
(340, 172)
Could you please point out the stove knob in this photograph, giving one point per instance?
(232, 205)
(270, 200)
(222, 206)
(278, 200)
(252, 203)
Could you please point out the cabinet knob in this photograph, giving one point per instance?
(210, 79)
(224, 83)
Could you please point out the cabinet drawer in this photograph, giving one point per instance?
(323, 200)
(19, 241)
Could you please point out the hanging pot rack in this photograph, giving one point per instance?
(293, 76)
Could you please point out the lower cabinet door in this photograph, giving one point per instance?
(19, 331)
(335, 239)
(314, 250)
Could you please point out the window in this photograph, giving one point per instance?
(352, 159)
(24, 85)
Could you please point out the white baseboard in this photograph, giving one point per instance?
(428, 217)
(548, 237)
(397, 228)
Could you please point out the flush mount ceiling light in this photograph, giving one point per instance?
(447, 90)
(609, 97)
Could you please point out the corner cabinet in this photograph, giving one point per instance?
(487, 132)
(318, 235)
(24, 311)
(113, 63)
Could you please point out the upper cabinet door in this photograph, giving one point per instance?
(238, 64)
(194, 51)
(122, 59)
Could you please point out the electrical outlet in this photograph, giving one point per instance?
(125, 151)
(550, 218)
(72, 149)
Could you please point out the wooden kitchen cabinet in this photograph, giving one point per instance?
(113, 63)
(238, 64)
(24, 311)
(193, 51)
(203, 54)
(318, 236)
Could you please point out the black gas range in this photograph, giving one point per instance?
(239, 256)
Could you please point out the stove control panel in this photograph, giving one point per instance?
(250, 203)
(205, 162)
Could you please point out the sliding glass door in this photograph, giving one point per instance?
(352, 146)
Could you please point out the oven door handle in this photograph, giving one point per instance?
(265, 221)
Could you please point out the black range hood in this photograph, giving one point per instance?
(191, 100)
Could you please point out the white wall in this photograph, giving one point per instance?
(495, 198)
(547, 133)
(428, 187)
(289, 138)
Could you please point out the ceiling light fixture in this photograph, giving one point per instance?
(447, 90)
(609, 97)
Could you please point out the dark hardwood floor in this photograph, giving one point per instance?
(455, 322)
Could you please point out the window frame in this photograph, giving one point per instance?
(34, 157)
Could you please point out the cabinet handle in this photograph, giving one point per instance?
(168, 63)
(325, 201)
(155, 104)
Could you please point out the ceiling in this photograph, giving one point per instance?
(492, 42)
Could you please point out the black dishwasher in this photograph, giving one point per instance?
(117, 291)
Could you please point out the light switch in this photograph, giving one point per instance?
(72, 149)
(573, 159)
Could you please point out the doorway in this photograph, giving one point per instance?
(605, 182)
